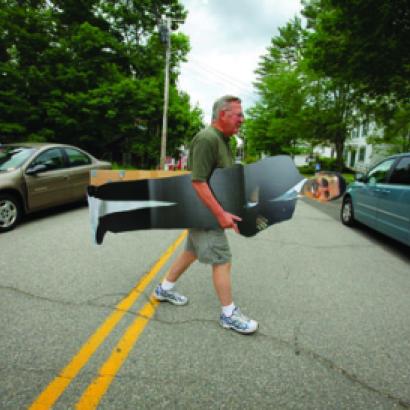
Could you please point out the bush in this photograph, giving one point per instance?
(250, 159)
(326, 164)
(307, 169)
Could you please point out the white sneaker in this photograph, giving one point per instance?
(170, 296)
(238, 322)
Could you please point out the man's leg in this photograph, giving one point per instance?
(165, 291)
(221, 275)
(231, 317)
(181, 264)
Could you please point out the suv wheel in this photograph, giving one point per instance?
(347, 213)
(10, 212)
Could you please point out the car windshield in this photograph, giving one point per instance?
(12, 157)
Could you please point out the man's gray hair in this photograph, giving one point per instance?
(222, 104)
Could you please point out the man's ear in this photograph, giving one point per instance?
(222, 115)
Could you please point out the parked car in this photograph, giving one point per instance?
(36, 176)
(381, 198)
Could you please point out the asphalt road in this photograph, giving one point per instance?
(332, 303)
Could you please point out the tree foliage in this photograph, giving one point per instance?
(395, 126)
(296, 105)
(273, 124)
(349, 64)
(91, 73)
(365, 43)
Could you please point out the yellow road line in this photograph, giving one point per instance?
(97, 388)
(56, 388)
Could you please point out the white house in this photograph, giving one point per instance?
(319, 150)
(358, 154)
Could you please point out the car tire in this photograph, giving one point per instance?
(347, 212)
(10, 212)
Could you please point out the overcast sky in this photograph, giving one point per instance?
(227, 39)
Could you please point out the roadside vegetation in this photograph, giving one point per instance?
(93, 75)
(345, 64)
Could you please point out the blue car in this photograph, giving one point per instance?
(381, 198)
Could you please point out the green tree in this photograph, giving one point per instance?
(273, 125)
(362, 42)
(329, 114)
(90, 73)
(296, 105)
(25, 35)
(395, 126)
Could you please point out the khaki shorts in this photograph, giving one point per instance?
(210, 246)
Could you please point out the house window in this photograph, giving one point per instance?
(345, 155)
(362, 153)
(365, 129)
(352, 157)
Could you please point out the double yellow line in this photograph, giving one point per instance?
(97, 388)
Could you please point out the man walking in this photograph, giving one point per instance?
(210, 149)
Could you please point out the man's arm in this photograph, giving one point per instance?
(225, 219)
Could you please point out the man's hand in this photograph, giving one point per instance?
(227, 221)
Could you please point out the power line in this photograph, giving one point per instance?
(212, 80)
(245, 90)
(223, 75)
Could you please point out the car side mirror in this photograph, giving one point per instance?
(36, 169)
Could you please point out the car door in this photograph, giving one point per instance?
(393, 213)
(51, 185)
(79, 171)
(366, 196)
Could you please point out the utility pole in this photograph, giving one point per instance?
(165, 33)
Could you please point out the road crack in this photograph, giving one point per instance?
(65, 302)
(294, 345)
